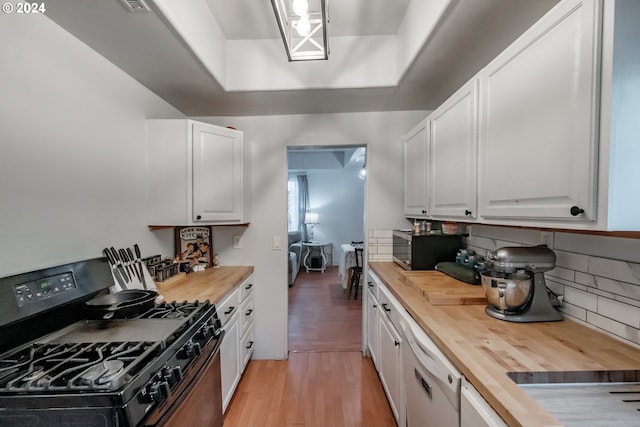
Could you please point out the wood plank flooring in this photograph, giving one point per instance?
(321, 318)
(326, 381)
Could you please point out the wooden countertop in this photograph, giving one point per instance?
(484, 349)
(212, 284)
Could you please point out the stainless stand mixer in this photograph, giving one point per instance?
(515, 285)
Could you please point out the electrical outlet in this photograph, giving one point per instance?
(237, 242)
(546, 238)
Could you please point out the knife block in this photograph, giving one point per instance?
(135, 283)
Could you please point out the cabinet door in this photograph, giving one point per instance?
(217, 173)
(416, 154)
(390, 363)
(538, 141)
(373, 328)
(230, 360)
(454, 146)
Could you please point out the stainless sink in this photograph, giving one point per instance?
(589, 398)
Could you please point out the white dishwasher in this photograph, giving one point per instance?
(432, 383)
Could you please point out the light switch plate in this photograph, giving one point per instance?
(276, 243)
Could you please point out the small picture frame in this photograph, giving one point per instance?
(194, 245)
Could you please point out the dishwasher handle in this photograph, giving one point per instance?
(426, 385)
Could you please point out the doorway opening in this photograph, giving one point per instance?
(326, 209)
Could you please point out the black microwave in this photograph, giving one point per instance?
(424, 251)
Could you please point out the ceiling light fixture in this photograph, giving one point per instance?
(363, 172)
(303, 27)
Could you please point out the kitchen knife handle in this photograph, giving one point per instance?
(112, 261)
(136, 248)
(114, 253)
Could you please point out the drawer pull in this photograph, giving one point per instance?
(248, 313)
(230, 310)
(385, 308)
(249, 286)
(250, 344)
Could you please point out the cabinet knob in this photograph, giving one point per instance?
(396, 343)
(424, 212)
(199, 217)
(575, 210)
(467, 212)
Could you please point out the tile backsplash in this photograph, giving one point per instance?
(380, 245)
(598, 276)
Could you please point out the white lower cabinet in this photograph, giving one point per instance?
(230, 360)
(390, 374)
(236, 314)
(247, 328)
(390, 355)
(373, 328)
(475, 411)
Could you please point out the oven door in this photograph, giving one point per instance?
(200, 404)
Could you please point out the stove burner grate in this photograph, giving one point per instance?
(75, 366)
(171, 310)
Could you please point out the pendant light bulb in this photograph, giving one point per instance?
(363, 173)
(304, 26)
(300, 7)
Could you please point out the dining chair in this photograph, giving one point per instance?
(355, 272)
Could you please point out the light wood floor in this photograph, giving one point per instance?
(326, 381)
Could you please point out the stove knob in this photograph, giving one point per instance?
(192, 349)
(159, 391)
(172, 375)
(206, 332)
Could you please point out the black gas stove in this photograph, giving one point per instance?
(116, 372)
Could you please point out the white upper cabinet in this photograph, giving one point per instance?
(454, 147)
(197, 174)
(539, 105)
(416, 161)
(620, 113)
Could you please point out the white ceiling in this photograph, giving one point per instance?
(470, 34)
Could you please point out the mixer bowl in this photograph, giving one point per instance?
(510, 292)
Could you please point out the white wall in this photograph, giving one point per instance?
(338, 198)
(72, 156)
(269, 137)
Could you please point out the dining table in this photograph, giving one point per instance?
(346, 261)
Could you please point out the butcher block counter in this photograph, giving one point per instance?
(211, 284)
(484, 349)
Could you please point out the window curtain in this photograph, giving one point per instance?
(303, 204)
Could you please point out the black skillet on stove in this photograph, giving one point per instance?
(120, 305)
